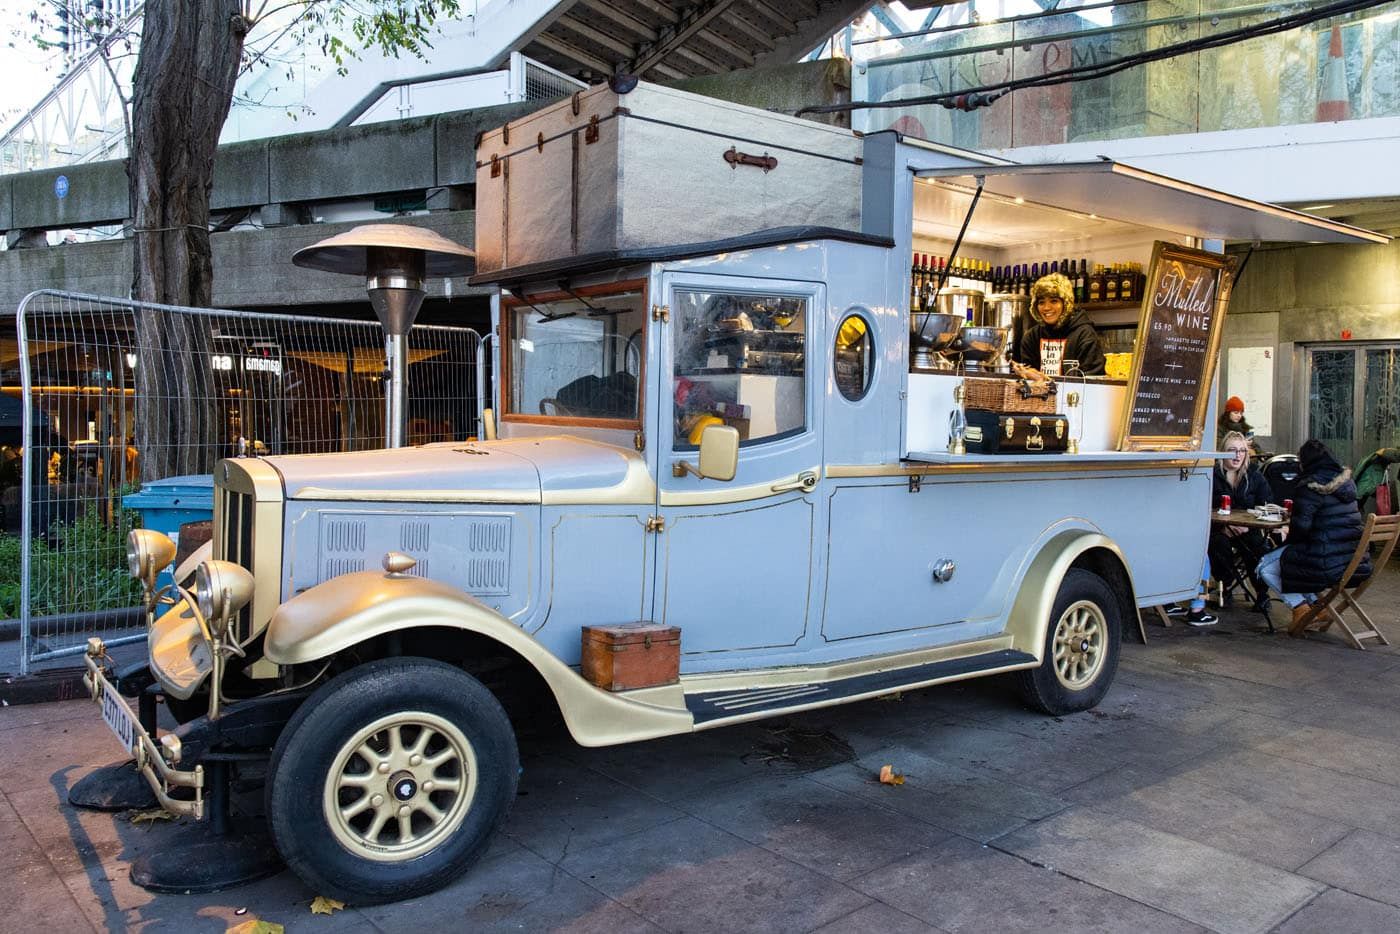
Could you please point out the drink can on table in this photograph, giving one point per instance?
(1224, 502)
(1288, 507)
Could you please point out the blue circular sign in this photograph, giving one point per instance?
(60, 186)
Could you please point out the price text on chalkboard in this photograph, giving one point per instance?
(1178, 343)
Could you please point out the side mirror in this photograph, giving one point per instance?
(719, 455)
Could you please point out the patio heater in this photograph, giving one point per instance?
(394, 259)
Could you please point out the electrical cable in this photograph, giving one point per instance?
(973, 98)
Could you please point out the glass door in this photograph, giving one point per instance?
(1380, 400)
(1354, 399)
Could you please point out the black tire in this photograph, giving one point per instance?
(1086, 627)
(445, 713)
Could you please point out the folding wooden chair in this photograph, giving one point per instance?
(1379, 530)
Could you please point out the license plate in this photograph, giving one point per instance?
(117, 715)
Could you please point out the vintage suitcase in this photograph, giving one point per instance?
(1002, 433)
(632, 655)
(600, 172)
(1008, 395)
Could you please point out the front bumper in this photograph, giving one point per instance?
(162, 776)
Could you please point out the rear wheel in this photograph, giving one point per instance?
(390, 781)
(1081, 647)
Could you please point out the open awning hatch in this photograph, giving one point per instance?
(1114, 191)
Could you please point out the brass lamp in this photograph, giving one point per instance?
(394, 259)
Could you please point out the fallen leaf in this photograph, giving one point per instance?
(896, 695)
(320, 905)
(254, 926)
(151, 816)
(888, 776)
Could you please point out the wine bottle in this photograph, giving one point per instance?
(1110, 284)
(1125, 284)
(1081, 283)
(1096, 284)
(916, 281)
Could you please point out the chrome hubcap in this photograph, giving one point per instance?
(1081, 638)
(400, 786)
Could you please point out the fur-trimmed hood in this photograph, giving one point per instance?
(1333, 485)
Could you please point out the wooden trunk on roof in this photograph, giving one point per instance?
(601, 172)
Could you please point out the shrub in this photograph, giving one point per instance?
(83, 570)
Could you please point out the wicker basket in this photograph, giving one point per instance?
(1007, 395)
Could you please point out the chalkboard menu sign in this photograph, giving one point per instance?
(1183, 312)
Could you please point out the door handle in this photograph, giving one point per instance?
(806, 482)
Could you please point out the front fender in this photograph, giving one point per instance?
(348, 610)
(1035, 598)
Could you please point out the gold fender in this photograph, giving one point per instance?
(1030, 614)
(348, 610)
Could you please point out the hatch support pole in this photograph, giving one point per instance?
(967, 219)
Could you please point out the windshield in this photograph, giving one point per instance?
(577, 357)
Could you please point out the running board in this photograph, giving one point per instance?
(717, 705)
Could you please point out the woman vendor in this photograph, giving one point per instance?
(1247, 488)
(1062, 332)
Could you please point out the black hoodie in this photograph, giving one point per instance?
(1326, 524)
(1080, 342)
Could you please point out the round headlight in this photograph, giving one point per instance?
(204, 592)
(221, 589)
(147, 552)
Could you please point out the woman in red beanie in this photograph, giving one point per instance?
(1232, 419)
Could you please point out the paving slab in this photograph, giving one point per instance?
(560, 808)
(1345, 799)
(1338, 912)
(1363, 863)
(513, 891)
(698, 878)
(1215, 889)
(974, 803)
(1279, 837)
(878, 917)
(1339, 751)
(962, 886)
(837, 834)
(32, 896)
(677, 767)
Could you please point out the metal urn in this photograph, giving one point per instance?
(394, 259)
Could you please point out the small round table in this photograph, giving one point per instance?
(1246, 519)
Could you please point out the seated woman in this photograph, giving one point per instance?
(1322, 535)
(1244, 483)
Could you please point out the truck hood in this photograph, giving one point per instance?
(534, 470)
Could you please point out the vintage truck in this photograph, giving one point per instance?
(707, 419)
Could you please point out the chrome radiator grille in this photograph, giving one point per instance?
(233, 540)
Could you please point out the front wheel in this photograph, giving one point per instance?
(390, 781)
(1081, 647)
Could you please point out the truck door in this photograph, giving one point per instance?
(735, 559)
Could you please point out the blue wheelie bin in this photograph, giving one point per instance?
(167, 504)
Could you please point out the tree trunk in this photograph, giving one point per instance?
(182, 90)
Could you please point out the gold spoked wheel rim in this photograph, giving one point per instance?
(1081, 645)
(400, 786)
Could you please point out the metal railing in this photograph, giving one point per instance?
(116, 394)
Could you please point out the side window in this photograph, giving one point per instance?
(740, 360)
(854, 357)
(577, 358)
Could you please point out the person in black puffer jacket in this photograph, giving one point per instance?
(1322, 535)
